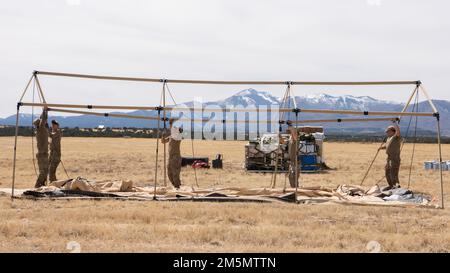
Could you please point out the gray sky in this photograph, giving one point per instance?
(223, 40)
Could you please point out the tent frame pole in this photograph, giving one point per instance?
(39, 87)
(26, 88)
(165, 127)
(15, 151)
(98, 77)
(440, 159)
(157, 153)
(429, 99)
(281, 110)
(297, 162)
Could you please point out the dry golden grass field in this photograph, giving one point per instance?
(138, 226)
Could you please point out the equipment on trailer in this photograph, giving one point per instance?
(261, 153)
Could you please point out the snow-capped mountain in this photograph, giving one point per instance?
(347, 102)
(252, 97)
(249, 97)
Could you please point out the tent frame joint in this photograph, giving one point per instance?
(437, 115)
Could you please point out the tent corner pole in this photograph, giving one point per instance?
(165, 127)
(39, 86)
(440, 158)
(157, 153)
(297, 161)
(15, 150)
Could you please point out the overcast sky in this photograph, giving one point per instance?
(224, 40)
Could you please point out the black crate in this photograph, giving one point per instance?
(188, 161)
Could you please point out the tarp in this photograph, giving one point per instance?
(343, 194)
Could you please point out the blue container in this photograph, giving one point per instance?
(428, 165)
(308, 162)
(308, 159)
(435, 165)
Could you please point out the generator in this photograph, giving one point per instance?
(261, 154)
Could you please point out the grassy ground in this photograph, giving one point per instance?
(36, 226)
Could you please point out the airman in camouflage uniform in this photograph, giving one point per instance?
(294, 172)
(42, 148)
(55, 150)
(174, 164)
(392, 147)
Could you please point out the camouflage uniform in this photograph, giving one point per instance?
(174, 166)
(293, 153)
(393, 160)
(42, 149)
(55, 154)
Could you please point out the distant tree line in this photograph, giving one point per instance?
(152, 133)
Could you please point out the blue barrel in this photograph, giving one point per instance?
(428, 165)
(435, 165)
(308, 162)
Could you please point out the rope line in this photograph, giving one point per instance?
(414, 143)
(64, 168)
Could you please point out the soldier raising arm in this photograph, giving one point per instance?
(41, 127)
(174, 166)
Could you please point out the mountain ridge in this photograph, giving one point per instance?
(253, 97)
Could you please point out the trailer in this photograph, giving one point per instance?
(270, 151)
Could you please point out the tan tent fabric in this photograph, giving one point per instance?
(343, 194)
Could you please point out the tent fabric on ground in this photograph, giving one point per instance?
(343, 194)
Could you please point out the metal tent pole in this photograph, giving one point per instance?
(157, 153)
(98, 77)
(274, 175)
(100, 114)
(281, 110)
(15, 151)
(26, 88)
(165, 127)
(429, 99)
(91, 106)
(39, 87)
(440, 158)
(297, 173)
